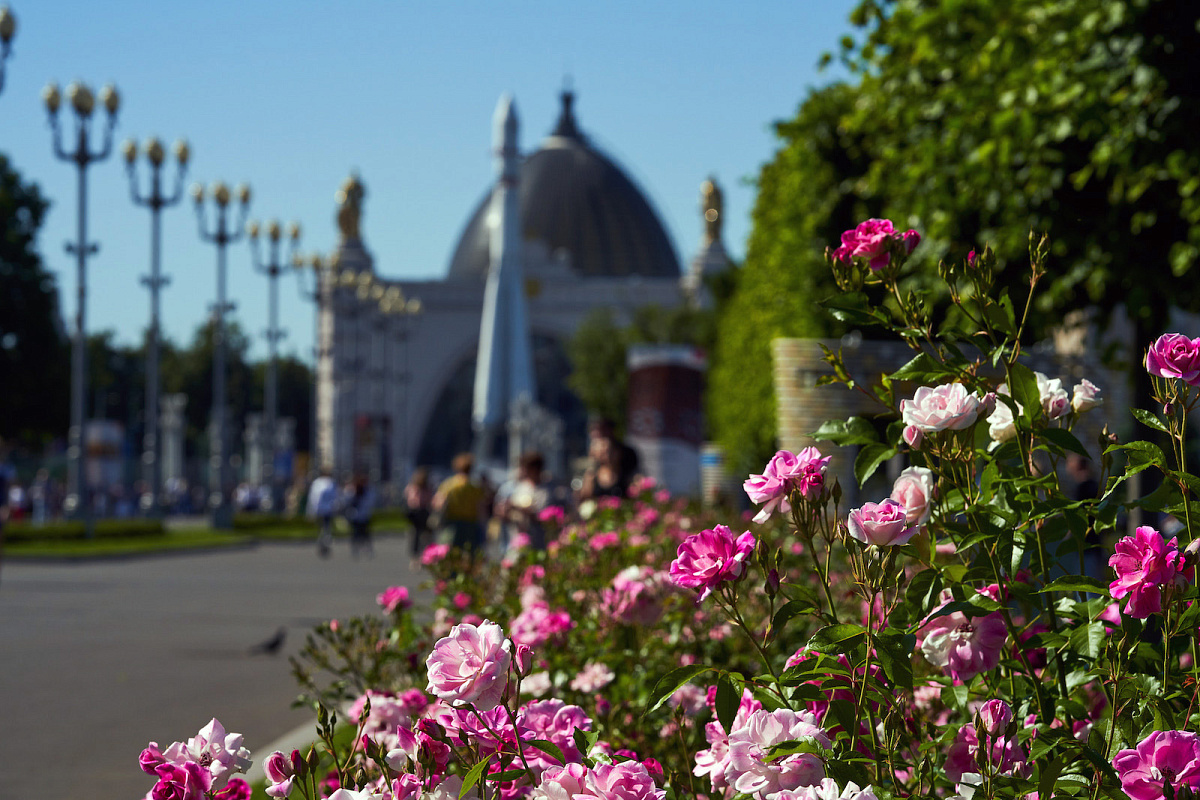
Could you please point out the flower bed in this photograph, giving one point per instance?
(942, 641)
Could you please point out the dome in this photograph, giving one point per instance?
(574, 198)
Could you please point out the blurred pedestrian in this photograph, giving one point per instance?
(418, 497)
(359, 505)
(460, 501)
(520, 501)
(322, 505)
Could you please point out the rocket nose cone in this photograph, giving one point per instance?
(505, 122)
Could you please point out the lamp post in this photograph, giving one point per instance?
(318, 294)
(83, 103)
(8, 29)
(156, 201)
(271, 268)
(221, 234)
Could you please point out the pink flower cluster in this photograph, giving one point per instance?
(199, 768)
(470, 665)
(1144, 564)
(1003, 754)
(627, 780)
(787, 472)
(1163, 757)
(635, 596)
(711, 557)
(751, 770)
(872, 241)
(1174, 355)
(394, 598)
(537, 623)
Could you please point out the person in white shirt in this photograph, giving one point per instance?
(322, 505)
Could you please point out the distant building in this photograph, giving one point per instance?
(396, 390)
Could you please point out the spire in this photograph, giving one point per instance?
(504, 138)
(566, 125)
(504, 366)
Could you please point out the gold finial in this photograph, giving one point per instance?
(349, 215)
(712, 202)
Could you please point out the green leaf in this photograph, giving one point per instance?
(549, 748)
(869, 459)
(507, 775)
(1088, 639)
(787, 611)
(1024, 389)
(1141, 454)
(668, 683)
(1076, 583)
(472, 777)
(895, 650)
(855, 430)
(727, 701)
(1065, 440)
(922, 369)
(840, 638)
(923, 590)
(1148, 419)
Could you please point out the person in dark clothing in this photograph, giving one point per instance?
(359, 506)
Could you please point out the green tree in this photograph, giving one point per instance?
(1074, 118)
(600, 347)
(807, 195)
(33, 346)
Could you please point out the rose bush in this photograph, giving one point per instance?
(943, 638)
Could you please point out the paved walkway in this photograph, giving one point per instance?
(97, 659)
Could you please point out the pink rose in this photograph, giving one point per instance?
(913, 489)
(913, 436)
(710, 558)
(752, 770)
(995, 715)
(1144, 564)
(881, 524)
(1055, 402)
(947, 407)
(1085, 397)
(406, 787)
(1162, 757)
(871, 241)
(188, 781)
(1174, 355)
(787, 472)
(237, 789)
(280, 773)
(434, 553)
(393, 598)
(964, 646)
(470, 665)
(627, 780)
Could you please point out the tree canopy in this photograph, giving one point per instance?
(33, 345)
(976, 122)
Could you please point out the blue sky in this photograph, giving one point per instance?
(291, 97)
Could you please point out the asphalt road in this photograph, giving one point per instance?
(98, 658)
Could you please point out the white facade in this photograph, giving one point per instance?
(382, 378)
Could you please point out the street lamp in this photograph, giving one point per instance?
(318, 294)
(83, 103)
(221, 234)
(8, 29)
(156, 201)
(271, 268)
